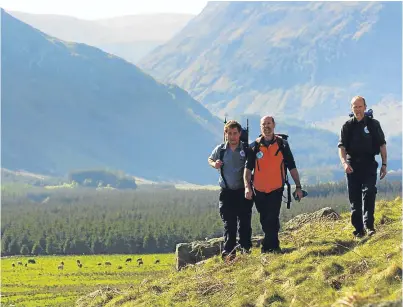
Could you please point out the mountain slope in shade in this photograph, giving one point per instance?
(68, 106)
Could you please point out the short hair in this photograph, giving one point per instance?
(232, 124)
(358, 97)
(272, 118)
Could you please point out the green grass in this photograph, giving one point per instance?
(323, 265)
(43, 284)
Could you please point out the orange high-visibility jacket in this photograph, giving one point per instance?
(269, 164)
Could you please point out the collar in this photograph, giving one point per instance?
(226, 145)
(363, 121)
(260, 140)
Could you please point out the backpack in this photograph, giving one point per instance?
(369, 115)
(280, 138)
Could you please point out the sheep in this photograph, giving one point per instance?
(157, 261)
(19, 263)
(78, 261)
(26, 264)
(31, 261)
(140, 262)
(139, 259)
(108, 263)
(13, 265)
(99, 263)
(80, 265)
(60, 267)
(120, 267)
(61, 262)
(129, 260)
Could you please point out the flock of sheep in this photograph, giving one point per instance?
(80, 265)
(26, 264)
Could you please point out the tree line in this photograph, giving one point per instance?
(89, 221)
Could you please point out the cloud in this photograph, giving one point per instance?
(370, 16)
(364, 28)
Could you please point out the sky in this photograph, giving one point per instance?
(96, 9)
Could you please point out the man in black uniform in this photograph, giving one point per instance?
(361, 139)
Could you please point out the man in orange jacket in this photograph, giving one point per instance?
(271, 156)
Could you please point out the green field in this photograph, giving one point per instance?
(322, 265)
(43, 284)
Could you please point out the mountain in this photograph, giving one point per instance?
(296, 60)
(68, 106)
(130, 37)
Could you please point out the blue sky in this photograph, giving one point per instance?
(94, 9)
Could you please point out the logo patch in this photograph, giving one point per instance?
(242, 154)
(366, 130)
(259, 155)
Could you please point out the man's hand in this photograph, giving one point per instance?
(248, 193)
(347, 167)
(218, 164)
(382, 172)
(299, 193)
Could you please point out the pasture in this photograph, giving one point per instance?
(48, 283)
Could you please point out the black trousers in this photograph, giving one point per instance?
(361, 185)
(268, 205)
(234, 208)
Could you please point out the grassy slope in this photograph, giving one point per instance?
(323, 266)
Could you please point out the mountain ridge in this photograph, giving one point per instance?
(67, 106)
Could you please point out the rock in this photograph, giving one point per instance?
(195, 252)
(324, 214)
(191, 253)
(397, 303)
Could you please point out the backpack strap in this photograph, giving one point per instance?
(370, 125)
(374, 135)
(281, 144)
(349, 133)
(256, 148)
(222, 152)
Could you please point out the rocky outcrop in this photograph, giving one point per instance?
(194, 252)
(325, 214)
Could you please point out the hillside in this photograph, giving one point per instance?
(296, 60)
(322, 265)
(130, 37)
(68, 106)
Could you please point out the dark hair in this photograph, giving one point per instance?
(232, 124)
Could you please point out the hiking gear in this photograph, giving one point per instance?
(361, 186)
(304, 194)
(370, 128)
(272, 251)
(268, 206)
(234, 209)
(359, 234)
(280, 140)
(371, 232)
(368, 113)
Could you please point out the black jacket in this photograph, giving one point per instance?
(362, 138)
